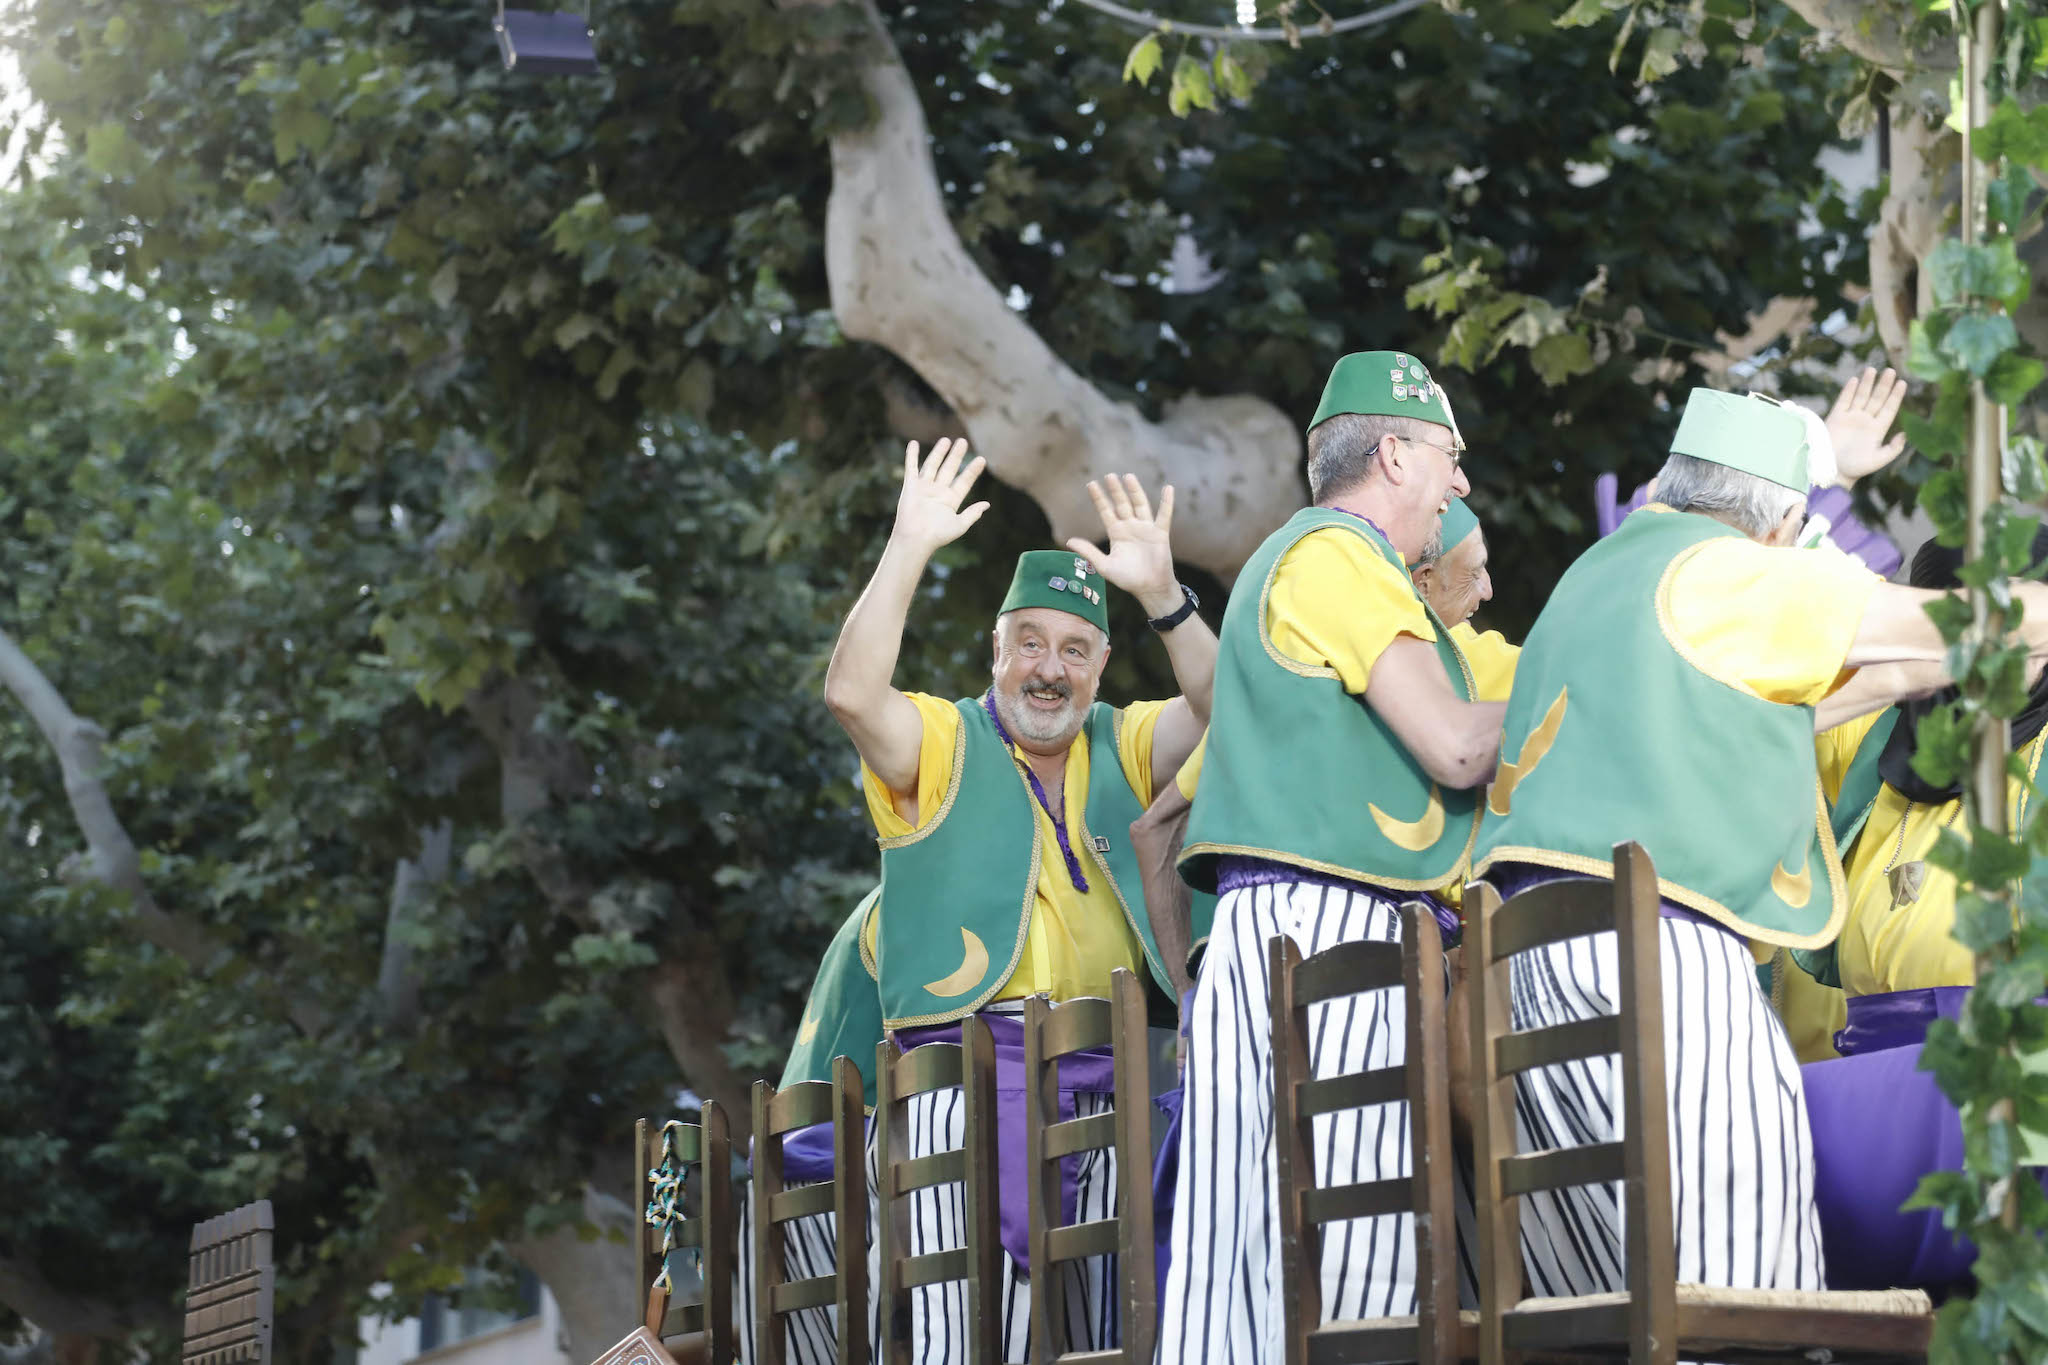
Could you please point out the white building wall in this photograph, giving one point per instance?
(538, 1340)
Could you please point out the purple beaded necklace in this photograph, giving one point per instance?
(1059, 824)
(1366, 519)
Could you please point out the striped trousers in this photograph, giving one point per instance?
(937, 1222)
(1741, 1152)
(1221, 1300)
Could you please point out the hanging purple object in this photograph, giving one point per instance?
(546, 42)
(1831, 506)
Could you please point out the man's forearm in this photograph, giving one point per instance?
(1191, 649)
(863, 663)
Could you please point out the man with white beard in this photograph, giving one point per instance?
(1004, 823)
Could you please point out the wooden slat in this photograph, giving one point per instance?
(1368, 1199)
(1561, 1328)
(934, 1066)
(922, 1172)
(1358, 1090)
(1551, 913)
(689, 1233)
(800, 1106)
(1566, 1166)
(1080, 1135)
(802, 1202)
(1559, 1043)
(689, 1145)
(1076, 1024)
(1077, 1240)
(231, 1285)
(797, 1295)
(936, 1267)
(1363, 1343)
(1347, 969)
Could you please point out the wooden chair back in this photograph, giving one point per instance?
(776, 1114)
(1656, 1318)
(1050, 1033)
(970, 1067)
(1416, 966)
(702, 1153)
(230, 1288)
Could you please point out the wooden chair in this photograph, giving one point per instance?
(970, 1066)
(1050, 1033)
(845, 1195)
(1436, 1333)
(704, 1151)
(1657, 1318)
(230, 1288)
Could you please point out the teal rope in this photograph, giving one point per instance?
(667, 1183)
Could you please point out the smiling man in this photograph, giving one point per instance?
(1338, 780)
(1004, 823)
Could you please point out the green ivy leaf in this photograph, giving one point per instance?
(1660, 55)
(2006, 198)
(2012, 377)
(1231, 77)
(1191, 87)
(1583, 13)
(1978, 339)
(1923, 346)
(1143, 59)
(1561, 357)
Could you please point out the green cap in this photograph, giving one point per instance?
(1459, 521)
(1385, 384)
(1062, 580)
(1754, 434)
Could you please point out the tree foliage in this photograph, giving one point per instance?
(402, 452)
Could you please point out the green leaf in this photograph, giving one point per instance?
(1191, 88)
(109, 150)
(2026, 475)
(2011, 378)
(574, 329)
(1991, 270)
(1923, 346)
(2006, 198)
(443, 286)
(321, 14)
(1584, 12)
(1143, 59)
(1660, 55)
(1561, 357)
(1977, 340)
(1231, 77)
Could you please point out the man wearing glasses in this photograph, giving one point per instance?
(1343, 753)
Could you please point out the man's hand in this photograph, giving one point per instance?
(928, 512)
(1140, 555)
(1862, 414)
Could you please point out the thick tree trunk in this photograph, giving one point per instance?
(591, 1278)
(901, 278)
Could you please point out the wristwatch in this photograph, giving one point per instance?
(1187, 609)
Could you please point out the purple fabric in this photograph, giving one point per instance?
(1089, 1073)
(1236, 873)
(1165, 1182)
(1877, 1088)
(1059, 821)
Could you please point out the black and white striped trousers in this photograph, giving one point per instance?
(1741, 1151)
(1221, 1300)
(937, 1223)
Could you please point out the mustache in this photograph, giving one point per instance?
(1058, 685)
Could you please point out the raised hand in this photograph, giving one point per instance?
(928, 511)
(1862, 414)
(1140, 555)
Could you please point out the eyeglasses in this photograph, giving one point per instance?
(1457, 456)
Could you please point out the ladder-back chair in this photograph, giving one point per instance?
(230, 1288)
(969, 1066)
(776, 1114)
(1050, 1033)
(684, 1171)
(1655, 1319)
(1435, 1334)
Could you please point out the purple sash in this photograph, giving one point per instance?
(1237, 873)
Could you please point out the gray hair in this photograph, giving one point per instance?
(1748, 503)
(1340, 449)
(1003, 616)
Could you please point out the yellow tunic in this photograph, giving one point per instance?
(1881, 948)
(1075, 939)
(1337, 603)
(1492, 661)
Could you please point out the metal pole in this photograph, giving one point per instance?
(1987, 783)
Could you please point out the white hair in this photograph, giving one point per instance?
(1750, 504)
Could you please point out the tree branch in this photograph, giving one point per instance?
(900, 277)
(1875, 30)
(80, 748)
(60, 1314)
(591, 1278)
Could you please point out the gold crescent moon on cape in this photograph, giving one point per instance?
(807, 1030)
(973, 967)
(1795, 891)
(1413, 835)
(1533, 749)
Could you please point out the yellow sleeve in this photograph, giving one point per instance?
(1191, 771)
(1836, 750)
(1492, 660)
(1134, 746)
(934, 770)
(1337, 603)
(1776, 623)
